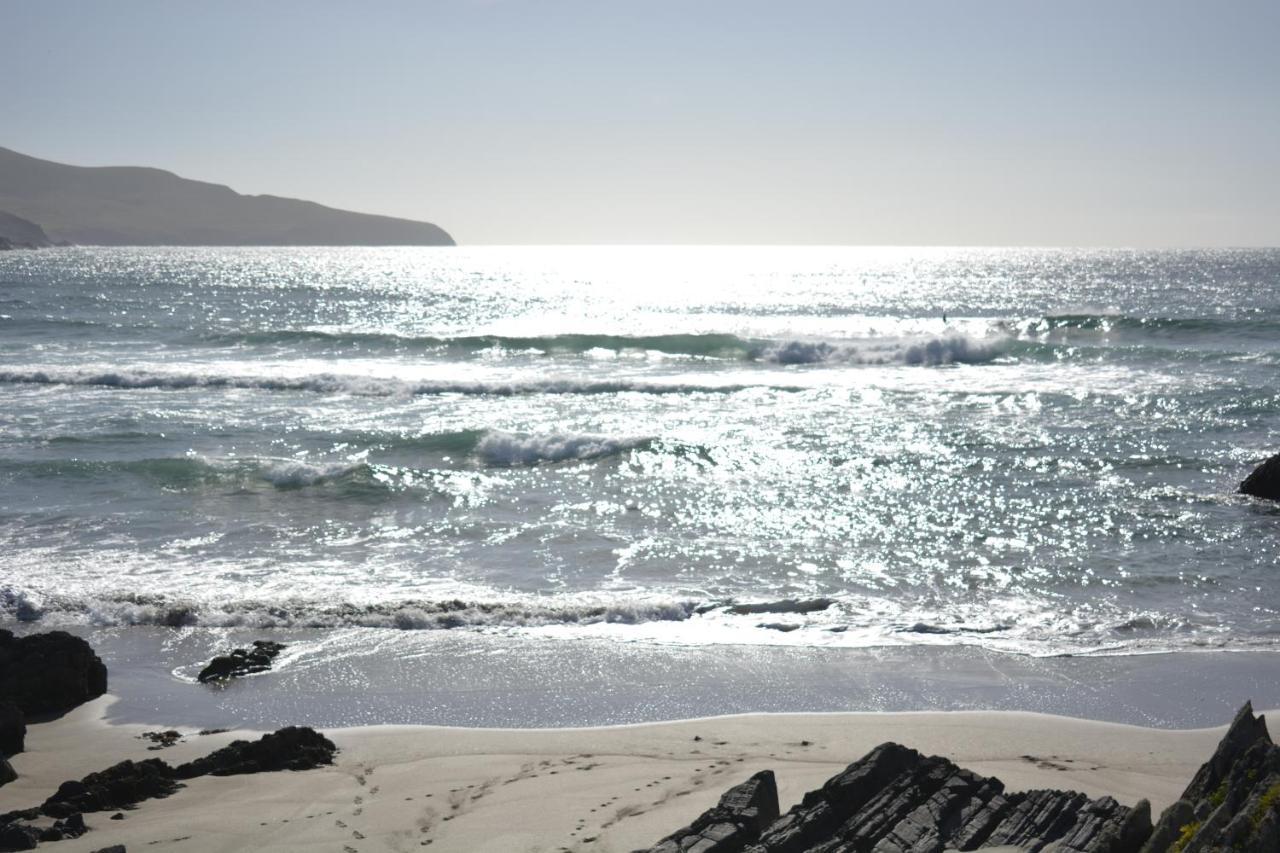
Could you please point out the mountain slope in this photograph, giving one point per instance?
(18, 233)
(123, 205)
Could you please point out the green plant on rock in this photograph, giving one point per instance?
(1219, 795)
(1185, 834)
(1265, 804)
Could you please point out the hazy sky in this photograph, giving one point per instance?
(1123, 122)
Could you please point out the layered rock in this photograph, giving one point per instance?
(1264, 482)
(49, 673)
(1233, 802)
(896, 800)
(241, 662)
(736, 821)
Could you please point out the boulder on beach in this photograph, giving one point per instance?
(120, 786)
(7, 773)
(292, 748)
(49, 673)
(1264, 482)
(17, 836)
(13, 728)
(258, 658)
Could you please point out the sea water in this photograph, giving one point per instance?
(1033, 451)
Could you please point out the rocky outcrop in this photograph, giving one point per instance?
(896, 800)
(736, 821)
(1264, 482)
(18, 837)
(120, 786)
(292, 748)
(125, 785)
(7, 773)
(241, 662)
(13, 729)
(49, 673)
(1233, 802)
(19, 233)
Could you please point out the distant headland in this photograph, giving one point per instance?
(51, 203)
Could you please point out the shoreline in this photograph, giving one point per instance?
(621, 786)
(339, 679)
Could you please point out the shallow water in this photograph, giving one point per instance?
(616, 442)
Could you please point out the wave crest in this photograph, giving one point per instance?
(509, 449)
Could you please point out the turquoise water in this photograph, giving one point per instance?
(620, 442)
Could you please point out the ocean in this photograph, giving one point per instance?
(1032, 452)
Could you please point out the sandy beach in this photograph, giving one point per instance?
(592, 789)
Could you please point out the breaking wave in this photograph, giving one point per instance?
(508, 449)
(928, 352)
(367, 386)
(144, 609)
(193, 470)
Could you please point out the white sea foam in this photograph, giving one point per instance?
(504, 448)
(327, 383)
(927, 352)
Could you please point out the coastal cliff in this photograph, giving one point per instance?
(18, 233)
(128, 206)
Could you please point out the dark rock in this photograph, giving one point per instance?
(241, 662)
(13, 729)
(114, 848)
(15, 836)
(787, 605)
(117, 816)
(1233, 802)
(896, 800)
(731, 824)
(118, 787)
(162, 740)
(292, 748)
(1245, 730)
(7, 773)
(1264, 482)
(48, 673)
(71, 826)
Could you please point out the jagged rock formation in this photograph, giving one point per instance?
(1233, 803)
(48, 673)
(127, 206)
(896, 800)
(18, 233)
(736, 821)
(241, 662)
(1264, 482)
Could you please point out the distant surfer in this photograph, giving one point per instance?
(944, 318)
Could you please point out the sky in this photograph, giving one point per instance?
(938, 122)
